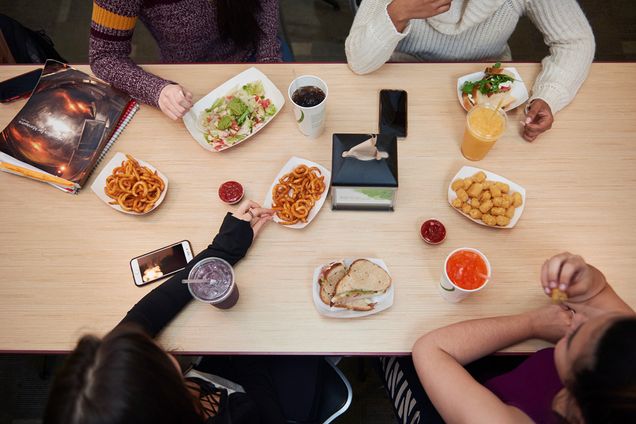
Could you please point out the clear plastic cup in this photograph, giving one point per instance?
(223, 291)
(485, 124)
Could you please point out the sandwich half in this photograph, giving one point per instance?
(363, 280)
(330, 275)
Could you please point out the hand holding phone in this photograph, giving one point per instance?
(161, 263)
(393, 108)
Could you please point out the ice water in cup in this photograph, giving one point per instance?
(220, 289)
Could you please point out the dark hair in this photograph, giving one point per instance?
(124, 378)
(605, 387)
(237, 21)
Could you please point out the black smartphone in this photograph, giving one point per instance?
(160, 263)
(393, 112)
(18, 87)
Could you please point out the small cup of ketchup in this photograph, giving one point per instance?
(433, 231)
(231, 192)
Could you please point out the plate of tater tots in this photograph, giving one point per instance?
(486, 198)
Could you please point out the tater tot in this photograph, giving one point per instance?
(485, 195)
(502, 220)
(497, 201)
(497, 211)
(475, 214)
(506, 202)
(486, 184)
(485, 206)
(457, 203)
(457, 184)
(462, 195)
(466, 208)
(479, 177)
(475, 190)
(494, 190)
(474, 203)
(510, 212)
(503, 187)
(489, 220)
(517, 200)
(467, 183)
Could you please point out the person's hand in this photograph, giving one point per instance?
(538, 119)
(551, 322)
(253, 213)
(402, 11)
(570, 274)
(175, 101)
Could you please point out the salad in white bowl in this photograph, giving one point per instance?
(232, 118)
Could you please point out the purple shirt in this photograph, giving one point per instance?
(186, 31)
(531, 387)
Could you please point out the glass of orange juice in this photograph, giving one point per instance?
(466, 271)
(484, 125)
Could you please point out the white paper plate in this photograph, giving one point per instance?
(288, 167)
(518, 90)
(191, 118)
(100, 182)
(384, 301)
(468, 171)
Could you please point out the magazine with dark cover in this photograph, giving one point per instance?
(65, 128)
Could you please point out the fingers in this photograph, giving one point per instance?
(551, 271)
(260, 222)
(174, 101)
(438, 4)
(538, 119)
(259, 212)
(571, 268)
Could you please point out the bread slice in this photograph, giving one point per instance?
(329, 278)
(361, 305)
(363, 280)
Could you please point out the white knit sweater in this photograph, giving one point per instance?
(478, 30)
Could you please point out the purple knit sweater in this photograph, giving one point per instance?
(186, 32)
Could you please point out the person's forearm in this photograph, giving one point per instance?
(467, 341)
(156, 309)
(372, 38)
(398, 17)
(571, 41)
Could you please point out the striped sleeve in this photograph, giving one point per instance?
(568, 34)
(112, 27)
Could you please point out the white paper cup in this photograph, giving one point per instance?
(311, 120)
(449, 290)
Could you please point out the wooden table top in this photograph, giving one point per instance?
(65, 261)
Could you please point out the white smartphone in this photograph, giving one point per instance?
(161, 263)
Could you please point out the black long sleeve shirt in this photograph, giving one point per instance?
(156, 309)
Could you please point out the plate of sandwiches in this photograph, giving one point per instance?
(495, 85)
(352, 288)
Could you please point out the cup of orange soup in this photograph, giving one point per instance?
(466, 271)
(484, 125)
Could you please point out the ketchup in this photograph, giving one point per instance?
(433, 231)
(231, 192)
(467, 269)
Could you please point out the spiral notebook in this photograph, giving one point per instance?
(65, 128)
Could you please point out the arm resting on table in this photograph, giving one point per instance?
(156, 309)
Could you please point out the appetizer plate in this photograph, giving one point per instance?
(191, 118)
(518, 90)
(384, 301)
(468, 171)
(100, 182)
(288, 167)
